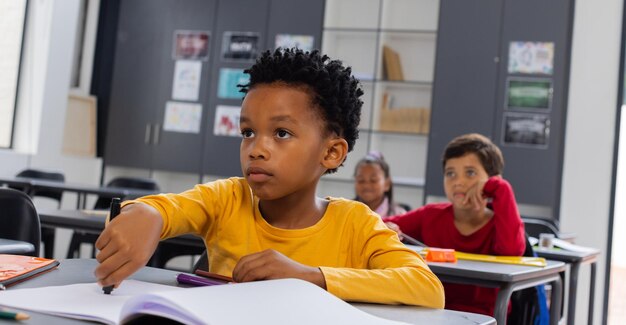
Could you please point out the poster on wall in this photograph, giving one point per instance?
(229, 79)
(227, 121)
(240, 46)
(186, 85)
(191, 45)
(287, 41)
(528, 130)
(182, 117)
(531, 57)
(529, 93)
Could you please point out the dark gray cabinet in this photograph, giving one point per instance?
(143, 74)
(142, 84)
(470, 89)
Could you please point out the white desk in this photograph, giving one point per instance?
(81, 271)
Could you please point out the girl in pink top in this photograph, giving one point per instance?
(373, 185)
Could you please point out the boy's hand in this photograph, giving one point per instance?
(270, 264)
(127, 243)
(475, 197)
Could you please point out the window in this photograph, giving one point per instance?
(12, 18)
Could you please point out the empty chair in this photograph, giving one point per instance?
(104, 202)
(56, 195)
(19, 219)
(47, 234)
(536, 226)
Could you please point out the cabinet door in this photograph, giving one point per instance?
(175, 150)
(137, 76)
(466, 69)
(535, 170)
(221, 152)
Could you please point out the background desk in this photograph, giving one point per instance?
(81, 271)
(508, 278)
(9, 246)
(93, 222)
(575, 259)
(32, 185)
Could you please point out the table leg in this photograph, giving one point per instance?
(592, 291)
(556, 302)
(502, 303)
(573, 285)
(47, 237)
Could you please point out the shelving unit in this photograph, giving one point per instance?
(408, 28)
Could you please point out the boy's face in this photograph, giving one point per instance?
(284, 143)
(371, 183)
(459, 175)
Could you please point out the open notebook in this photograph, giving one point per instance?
(285, 301)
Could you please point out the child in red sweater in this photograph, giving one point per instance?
(481, 217)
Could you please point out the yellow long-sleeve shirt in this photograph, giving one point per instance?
(361, 259)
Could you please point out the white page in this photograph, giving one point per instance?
(81, 301)
(285, 301)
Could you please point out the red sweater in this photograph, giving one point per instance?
(433, 224)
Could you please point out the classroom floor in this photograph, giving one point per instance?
(617, 299)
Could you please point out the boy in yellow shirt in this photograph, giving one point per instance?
(299, 119)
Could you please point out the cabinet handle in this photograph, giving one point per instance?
(146, 138)
(157, 133)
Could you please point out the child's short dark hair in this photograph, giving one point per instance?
(336, 91)
(489, 154)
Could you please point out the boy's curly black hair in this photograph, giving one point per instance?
(335, 90)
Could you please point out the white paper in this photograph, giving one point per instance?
(186, 85)
(80, 301)
(227, 121)
(285, 301)
(182, 117)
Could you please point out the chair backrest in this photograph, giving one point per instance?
(49, 176)
(202, 263)
(536, 226)
(104, 202)
(18, 218)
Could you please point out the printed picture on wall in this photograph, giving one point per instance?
(191, 45)
(186, 84)
(227, 121)
(529, 93)
(531, 57)
(303, 42)
(229, 79)
(242, 46)
(182, 117)
(531, 130)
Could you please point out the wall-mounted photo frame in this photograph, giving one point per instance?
(191, 45)
(528, 94)
(226, 121)
(531, 57)
(229, 79)
(287, 41)
(240, 46)
(526, 130)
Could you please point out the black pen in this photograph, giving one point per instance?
(115, 210)
(412, 240)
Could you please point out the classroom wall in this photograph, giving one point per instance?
(588, 154)
(587, 168)
(42, 101)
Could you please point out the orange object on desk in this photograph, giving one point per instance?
(440, 255)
